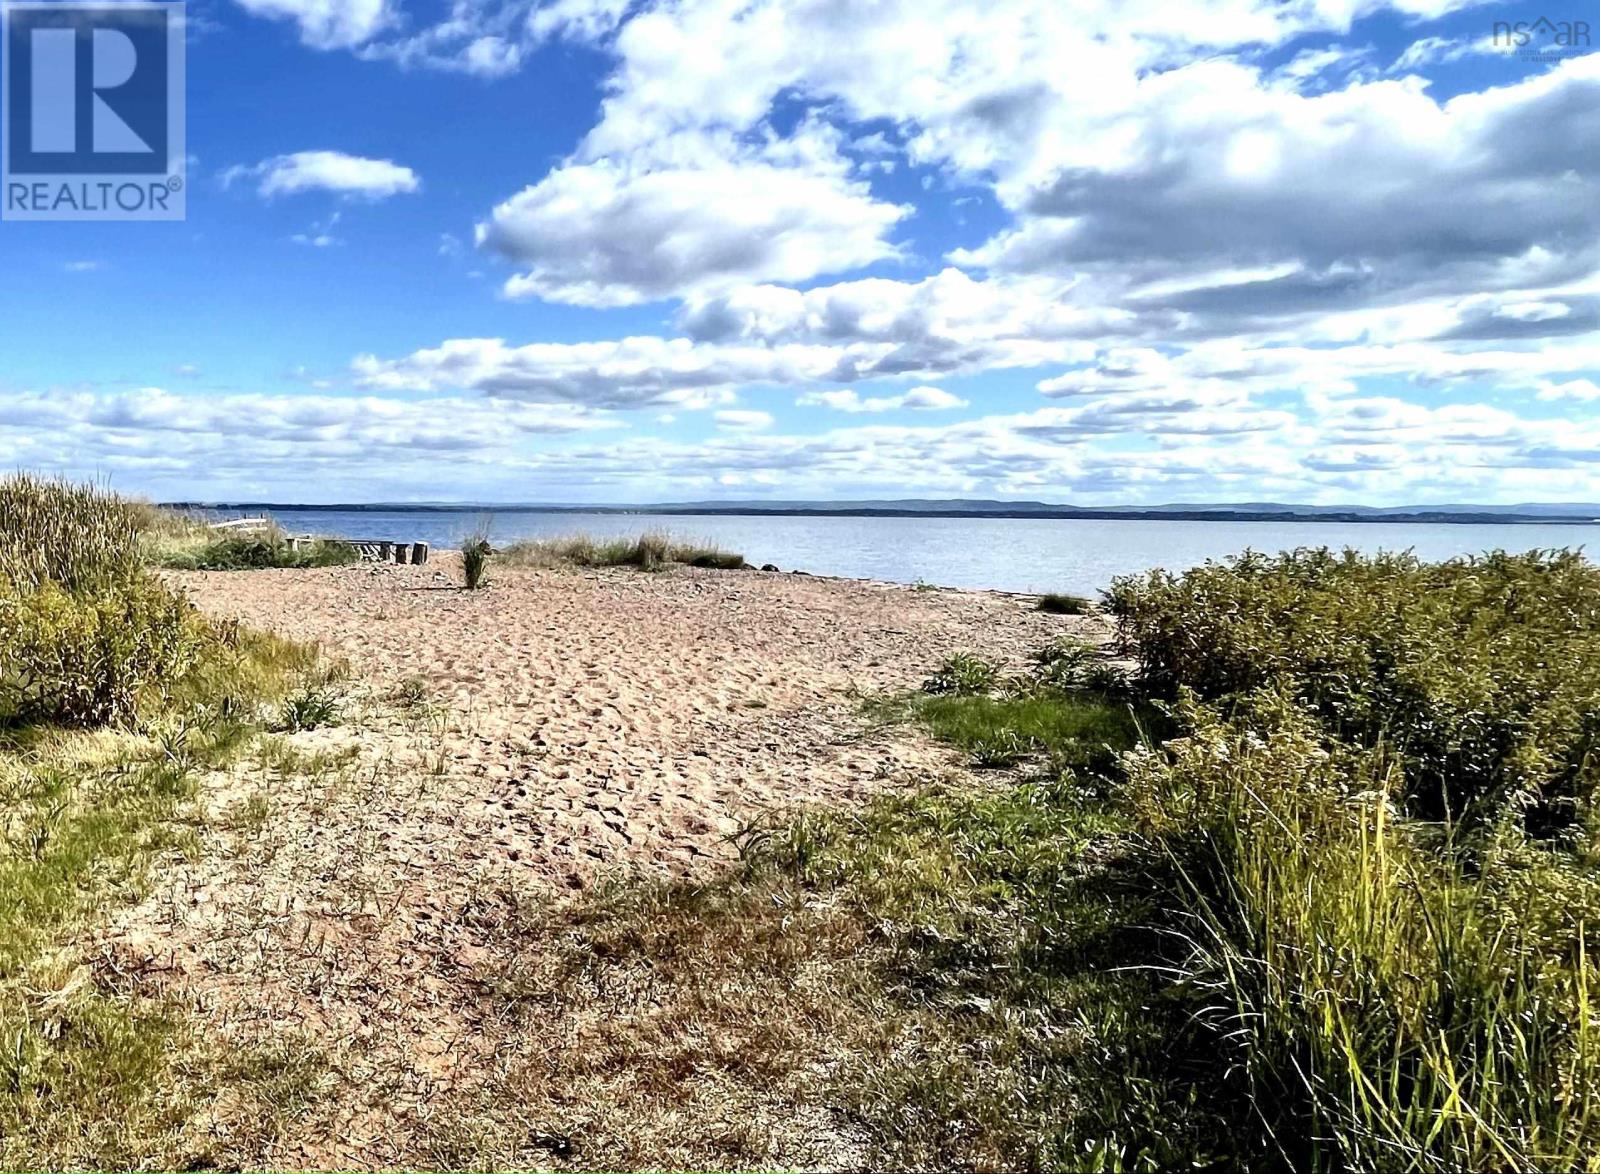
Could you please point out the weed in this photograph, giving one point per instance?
(1064, 605)
(962, 675)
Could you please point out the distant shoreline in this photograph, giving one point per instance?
(1421, 517)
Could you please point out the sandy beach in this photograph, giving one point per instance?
(506, 749)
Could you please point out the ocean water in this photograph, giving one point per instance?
(1013, 554)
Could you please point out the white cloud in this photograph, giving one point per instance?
(609, 233)
(327, 171)
(328, 24)
(743, 420)
(1576, 389)
(918, 399)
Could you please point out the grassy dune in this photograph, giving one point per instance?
(116, 700)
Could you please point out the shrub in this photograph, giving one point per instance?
(1483, 674)
(1063, 605)
(89, 659)
(962, 675)
(254, 551)
(1063, 663)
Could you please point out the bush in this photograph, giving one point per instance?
(1063, 605)
(89, 659)
(1482, 674)
(252, 552)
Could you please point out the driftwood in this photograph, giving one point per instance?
(380, 550)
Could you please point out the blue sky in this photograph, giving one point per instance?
(594, 250)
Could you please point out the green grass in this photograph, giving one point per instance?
(251, 552)
(116, 698)
(1081, 731)
(651, 551)
(964, 973)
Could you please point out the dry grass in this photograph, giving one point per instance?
(652, 551)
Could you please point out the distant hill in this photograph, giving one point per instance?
(1466, 514)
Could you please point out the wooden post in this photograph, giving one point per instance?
(419, 553)
(402, 552)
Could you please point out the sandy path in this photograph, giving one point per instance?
(579, 724)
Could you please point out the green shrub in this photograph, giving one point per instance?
(252, 552)
(1483, 674)
(1060, 604)
(962, 675)
(88, 659)
(1381, 1005)
(1063, 663)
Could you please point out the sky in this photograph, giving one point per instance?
(1319, 251)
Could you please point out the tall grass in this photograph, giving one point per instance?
(651, 551)
(1387, 1005)
(79, 537)
(475, 552)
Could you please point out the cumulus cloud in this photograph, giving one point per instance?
(618, 232)
(1230, 243)
(351, 176)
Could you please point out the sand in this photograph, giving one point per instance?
(573, 726)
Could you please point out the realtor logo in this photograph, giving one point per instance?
(92, 110)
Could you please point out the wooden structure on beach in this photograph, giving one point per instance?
(375, 550)
(370, 550)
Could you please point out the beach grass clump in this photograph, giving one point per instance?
(78, 537)
(1378, 1000)
(963, 674)
(1061, 604)
(254, 550)
(651, 551)
(475, 554)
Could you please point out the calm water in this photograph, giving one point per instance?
(1015, 554)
